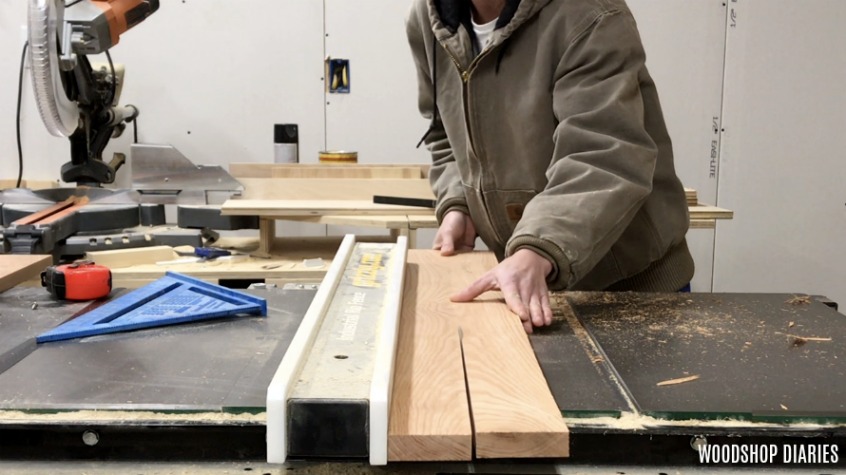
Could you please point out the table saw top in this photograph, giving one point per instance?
(765, 359)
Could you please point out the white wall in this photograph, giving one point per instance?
(684, 44)
(210, 77)
(783, 164)
(379, 117)
(43, 156)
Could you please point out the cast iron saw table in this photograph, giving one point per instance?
(769, 367)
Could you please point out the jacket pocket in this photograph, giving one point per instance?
(505, 209)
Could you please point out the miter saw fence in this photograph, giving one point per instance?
(74, 99)
(69, 222)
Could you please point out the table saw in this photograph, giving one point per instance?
(638, 378)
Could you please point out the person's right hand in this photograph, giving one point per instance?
(456, 234)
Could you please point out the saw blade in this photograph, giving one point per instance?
(60, 114)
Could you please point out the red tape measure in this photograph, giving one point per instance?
(78, 281)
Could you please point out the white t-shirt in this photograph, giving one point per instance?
(483, 33)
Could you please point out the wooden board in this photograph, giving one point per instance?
(418, 217)
(691, 197)
(15, 269)
(514, 413)
(131, 257)
(703, 223)
(285, 265)
(710, 212)
(430, 416)
(334, 188)
(279, 170)
(285, 208)
(29, 184)
(512, 410)
(373, 221)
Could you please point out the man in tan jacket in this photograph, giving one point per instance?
(548, 141)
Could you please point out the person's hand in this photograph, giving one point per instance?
(456, 234)
(522, 280)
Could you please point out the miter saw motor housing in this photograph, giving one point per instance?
(74, 99)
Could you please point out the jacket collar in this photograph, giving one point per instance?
(446, 16)
(457, 12)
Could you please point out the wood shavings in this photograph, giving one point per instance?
(799, 300)
(791, 324)
(672, 382)
(799, 340)
(783, 407)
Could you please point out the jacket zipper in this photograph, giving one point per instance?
(465, 79)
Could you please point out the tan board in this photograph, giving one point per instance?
(131, 257)
(334, 188)
(710, 212)
(423, 217)
(284, 208)
(430, 417)
(512, 410)
(29, 184)
(15, 269)
(703, 223)
(691, 197)
(294, 260)
(279, 170)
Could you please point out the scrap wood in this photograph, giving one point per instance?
(806, 338)
(801, 340)
(671, 382)
(18, 268)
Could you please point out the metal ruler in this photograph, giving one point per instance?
(330, 396)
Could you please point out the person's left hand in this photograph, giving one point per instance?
(522, 280)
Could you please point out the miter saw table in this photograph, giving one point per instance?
(775, 364)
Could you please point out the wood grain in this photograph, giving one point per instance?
(514, 413)
(131, 257)
(30, 184)
(430, 417)
(284, 265)
(279, 170)
(15, 269)
(512, 409)
(709, 212)
(285, 208)
(334, 188)
(691, 196)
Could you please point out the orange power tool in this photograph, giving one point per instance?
(99, 23)
(82, 280)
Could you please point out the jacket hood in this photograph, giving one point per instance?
(447, 15)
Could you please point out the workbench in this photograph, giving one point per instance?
(343, 195)
(765, 368)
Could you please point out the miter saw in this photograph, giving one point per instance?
(80, 101)
(74, 99)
